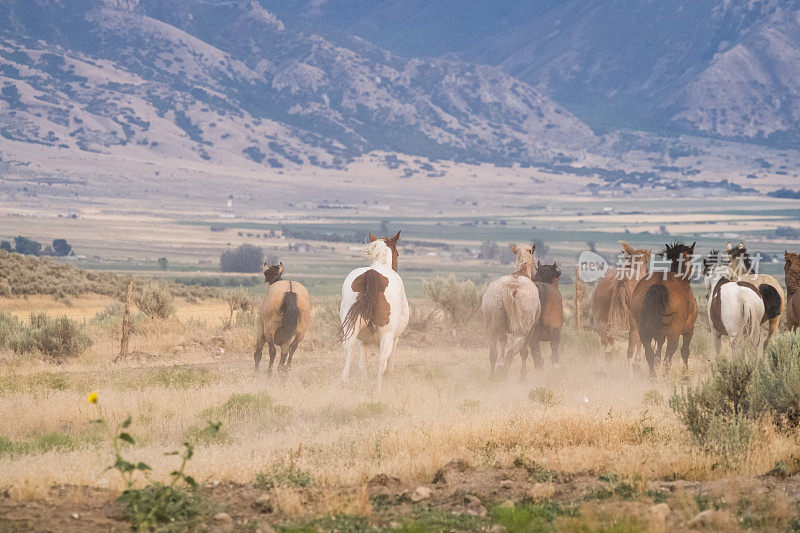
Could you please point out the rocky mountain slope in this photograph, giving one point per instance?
(224, 81)
(720, 68)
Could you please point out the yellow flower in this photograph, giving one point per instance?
(93, 397)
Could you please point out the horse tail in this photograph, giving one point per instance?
(290, 312)
(772, 300)
(511, 305)
(752, 322)
(619, 304)
(370, 305)
(651, 322)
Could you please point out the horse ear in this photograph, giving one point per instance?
(396, 238)
(691, 248)
(538, 264)
(787, 258)
(265, 267)
(513, 249)
(372, 238)
(741, 245)
(533, 248)
(627, 248)
(729, 247)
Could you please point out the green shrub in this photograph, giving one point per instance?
(55, 337)
(156, 505)
(533, 516)
(9, 326)
(719, 412)
(155, 301)
(60, 338)
(461, 300)
(283, 475)
(777, 380)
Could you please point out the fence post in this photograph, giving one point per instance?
(126, 322)
(578, 297)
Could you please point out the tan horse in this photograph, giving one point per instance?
(791, 269)
(611, 301)
(511, 307)
(552, 316)
(664, 308)
(771, 292)
(283, 317)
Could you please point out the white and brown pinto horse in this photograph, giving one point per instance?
(735, 308)
(742, 269)
(511, 310)
(374, 304)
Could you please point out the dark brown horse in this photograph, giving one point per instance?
(665, 308)
(551, 319)
(792, 270)
(611, 300)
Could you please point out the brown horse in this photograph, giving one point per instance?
(771, 292)
(664, 308)
(551, 319)
(792, 271)
(283, 317)
(611, 301)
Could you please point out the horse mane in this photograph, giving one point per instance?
(273, 274)
(378, 252)
(547, 273)
(674, 252)
(741, 254)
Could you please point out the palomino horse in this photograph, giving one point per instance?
(734, 308)
(373, 303)
(551, 321)
(511, 306)
(792, 270)
(665, 308)
(771, 291)
(283, 317)
(611, 301)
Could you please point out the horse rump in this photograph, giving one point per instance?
(651, 320)
(290, 312)
(772, 300)
(370, 304)
(619, 305)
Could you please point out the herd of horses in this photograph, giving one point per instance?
(525, 308)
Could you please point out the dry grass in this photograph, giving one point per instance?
(440, 403)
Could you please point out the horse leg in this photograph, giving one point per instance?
(284, 354)
(634, 346)
(650, 357)
(257, 355)
(387, 343)
(492, 351)
(523, 353)
(717, 343)
(672, 347)
(555, 340)
(536, 354)
(349, 345)
(772, 329)
(292, 347)
(271, 357)
(687, 340)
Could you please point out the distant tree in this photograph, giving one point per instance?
(245, 258)
(61, 247)
(10, 94)
(26, 246)
(6, 246)
(489, 250)
(163, 263)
